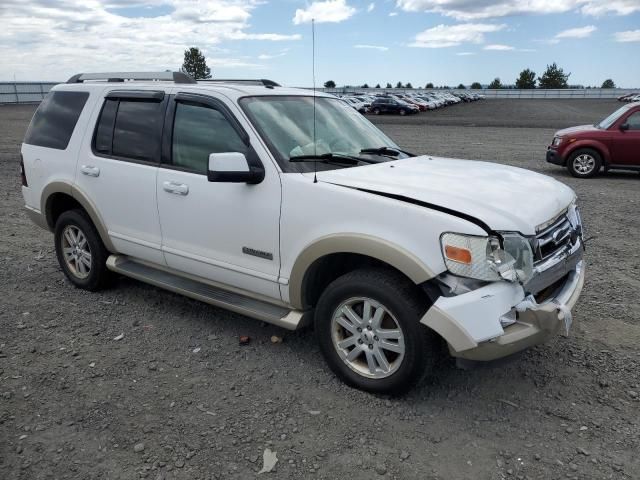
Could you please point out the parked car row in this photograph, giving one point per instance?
(406, 103)
(631, 97)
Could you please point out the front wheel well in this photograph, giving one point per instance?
(596, 149)
(326, 269)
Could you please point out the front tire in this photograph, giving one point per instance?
(368, 326)
(376, 111)
(403, 112)
(584, 163)
(80, 251)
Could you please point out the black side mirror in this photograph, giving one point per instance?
(232, 167)
(624, 127)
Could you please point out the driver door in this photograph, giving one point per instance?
(223, 232)
(625, 147)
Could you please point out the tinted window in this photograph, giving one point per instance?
(137, 130)
(634, 121)
(199, 131)
(55, 119)
(104, 131)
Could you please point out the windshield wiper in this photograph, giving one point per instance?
(329, 157)
(386, 151)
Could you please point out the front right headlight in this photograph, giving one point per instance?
(488, 258)
(556, 141)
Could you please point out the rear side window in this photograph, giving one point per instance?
(130, 129)
(56, 118)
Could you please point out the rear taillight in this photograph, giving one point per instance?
(22, 174)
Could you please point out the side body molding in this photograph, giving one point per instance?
(83, 200)
(370, 246)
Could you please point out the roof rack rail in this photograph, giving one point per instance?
(177, 77)
(259, 81)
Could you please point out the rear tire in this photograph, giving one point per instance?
(584, 163)
(80, 251)
(368, 327)
(376, 111)
(403, 112)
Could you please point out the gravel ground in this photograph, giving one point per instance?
(177, 397)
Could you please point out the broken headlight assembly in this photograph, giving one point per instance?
(507, 257)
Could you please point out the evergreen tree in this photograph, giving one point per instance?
(527, 79)
(195, 64)
(554, 77)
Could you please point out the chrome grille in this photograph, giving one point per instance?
(552, 239)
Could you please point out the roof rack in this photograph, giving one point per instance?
(259, 81)
(177, 77)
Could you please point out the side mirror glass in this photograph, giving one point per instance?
(233, 167)
(624, 127)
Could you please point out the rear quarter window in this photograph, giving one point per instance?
(55, 119)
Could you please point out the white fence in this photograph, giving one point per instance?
(592, 93)
(34, 92)
(24, 92)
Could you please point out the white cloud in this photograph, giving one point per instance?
(330, 11)
(270, 56)
(452, 35)
(393, 14)
(371, 7)
(53, 39)
(580, 32)
(465, 54)
(372, 47)
(473, 10)
(628, 36)
(619, 7)
(499, 47)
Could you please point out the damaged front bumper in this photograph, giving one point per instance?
(499, 319)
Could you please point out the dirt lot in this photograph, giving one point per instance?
(178, 398)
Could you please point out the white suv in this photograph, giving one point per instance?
(294, 209)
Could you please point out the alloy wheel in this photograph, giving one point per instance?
(584, 164)
(367, 337)
(76, 251)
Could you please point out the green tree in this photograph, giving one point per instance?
(526, 80)
(429, 85)
(377, 85)
(496, 84)
(554, 77)
(365, 86)
(408, 85)
(461, 87)
(388, 85)
(195, 64)
(476, 86)
(329, 84)
(608, 83)
(399, 85)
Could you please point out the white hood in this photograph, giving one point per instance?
(505, 198)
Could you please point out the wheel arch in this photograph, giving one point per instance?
(58, 197)
(332, 256)
(598, 147)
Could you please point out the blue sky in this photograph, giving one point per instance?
(441, 41)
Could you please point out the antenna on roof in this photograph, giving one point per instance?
(313, 74)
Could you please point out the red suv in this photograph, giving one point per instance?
(614, 143)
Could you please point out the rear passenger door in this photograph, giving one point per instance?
(224, 232)
(117, 170)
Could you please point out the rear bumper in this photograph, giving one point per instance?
(553, 156)
(470, 322)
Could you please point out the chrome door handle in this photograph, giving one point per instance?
(175, 188)
(90, 170)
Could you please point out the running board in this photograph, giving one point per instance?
(236, 302)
